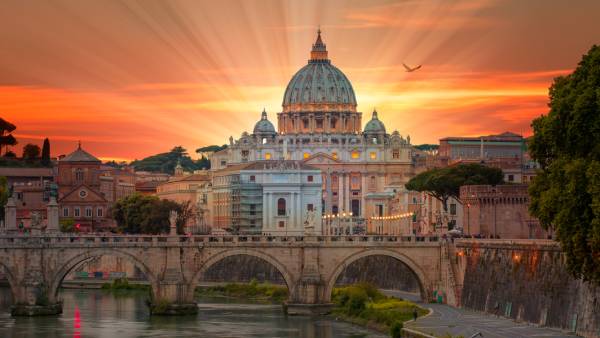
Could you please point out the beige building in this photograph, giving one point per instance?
(319, 125)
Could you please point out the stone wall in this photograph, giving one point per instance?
(382, 271)
(527, 282)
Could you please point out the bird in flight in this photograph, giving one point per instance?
(409, 69)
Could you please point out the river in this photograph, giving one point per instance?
(103, 314)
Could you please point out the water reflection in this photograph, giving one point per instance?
(102, 314)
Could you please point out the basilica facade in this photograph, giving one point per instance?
(319, 125)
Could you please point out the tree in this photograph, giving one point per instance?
(6, 139)
(46, 153)
(443, 183)
(565, 195)
(31, 152)
(166, 162)
(139, 214)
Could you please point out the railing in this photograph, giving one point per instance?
(162, 240)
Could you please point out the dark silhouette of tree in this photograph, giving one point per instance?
(31, 152)
(166, 162)
(139, 214)
(565, 195)
(443, 183)
(46, 153)
(6, 139)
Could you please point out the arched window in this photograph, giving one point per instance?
(281, 207)
(78, 174)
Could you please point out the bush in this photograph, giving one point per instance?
(396, 329)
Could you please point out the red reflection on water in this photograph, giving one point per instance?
(77, 323)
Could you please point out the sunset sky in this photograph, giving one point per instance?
(134, 78)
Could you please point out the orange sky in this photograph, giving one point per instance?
(134, 78)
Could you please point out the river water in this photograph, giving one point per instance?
(104, 314)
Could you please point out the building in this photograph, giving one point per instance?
(320, 126)
(183, 187)
(79, 195)
(499, 211)
(267, 197)
(146, 183)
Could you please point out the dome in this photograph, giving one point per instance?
(375, 125)
(264, 126)
(319, 85)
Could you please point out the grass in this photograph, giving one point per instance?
(253, 290)
(364, 305)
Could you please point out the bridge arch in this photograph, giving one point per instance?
(214, 259)
(421, 277)
(12, 280)
(86, 255)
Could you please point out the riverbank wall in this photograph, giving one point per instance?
(527, 281)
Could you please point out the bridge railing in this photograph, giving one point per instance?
(158, 240)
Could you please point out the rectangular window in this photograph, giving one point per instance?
(252, 178)
(379, 210)
(319, 124)
(252, 209)
(65, 212)
(310, 207)
(511, 178)
(223, 163)
(452, 209)
(281, 224)
(76, 212)
(310, 178)
(88, 212)
(99, 212)
(396, 154)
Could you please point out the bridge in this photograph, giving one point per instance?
(35, 265)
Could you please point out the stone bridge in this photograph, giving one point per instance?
(35, 265)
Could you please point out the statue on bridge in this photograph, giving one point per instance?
(309, 223)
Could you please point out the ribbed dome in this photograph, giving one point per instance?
(375, 125)
(319, 85)
(264, 126)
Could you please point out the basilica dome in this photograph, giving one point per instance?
(319, 86)
(264, 126)
(375, 126)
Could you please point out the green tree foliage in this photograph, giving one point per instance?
(31, 152)
(426, 147)
(6, 139)
(443, 183)
(46, 153)
(565, 195)
(139, 214)
(3, 195)
(211, 149)
(166, 162)
(67, 225)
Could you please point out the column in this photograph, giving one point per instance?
(340, 192)
(265, 213)
(52, 216)
(347, 192)
(10, 216)
(363, 192)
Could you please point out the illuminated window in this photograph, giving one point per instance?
(373, 155)
(267, 156)
(334, 155)
(355, 154)
(306, 155)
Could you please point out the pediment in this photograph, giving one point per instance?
(320, 159)
(83, 193)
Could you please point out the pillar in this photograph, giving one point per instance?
(52, 216)
(308, 293)
(10, 216)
